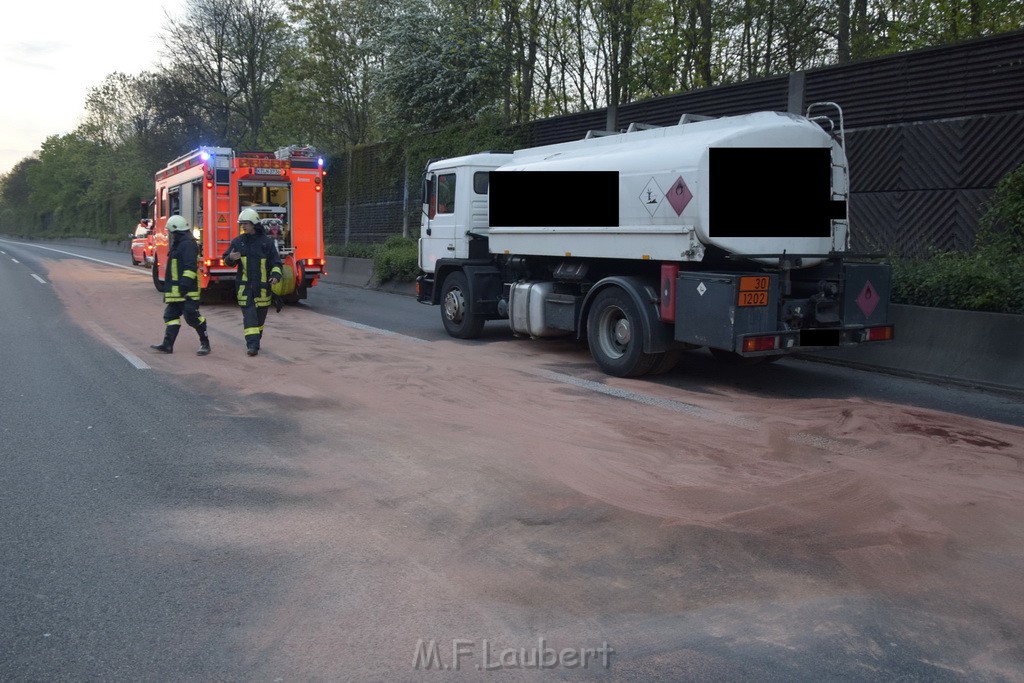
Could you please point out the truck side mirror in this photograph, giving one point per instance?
(426, 190)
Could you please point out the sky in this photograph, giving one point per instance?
(53, 52)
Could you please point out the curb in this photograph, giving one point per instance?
(358, 272)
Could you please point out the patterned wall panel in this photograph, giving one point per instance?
(972, 78)
(927, 220)
(993, 146)
(874, 155)
(873, 222)
(931, 156)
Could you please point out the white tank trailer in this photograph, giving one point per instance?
(730, 233)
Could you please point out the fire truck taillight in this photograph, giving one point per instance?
(209, 178)
(314, 263)
(316, 182)
(214, 262)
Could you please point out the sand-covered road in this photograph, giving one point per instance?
(506, 498)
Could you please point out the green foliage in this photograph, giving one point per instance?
(352, 250)
(988, 278)
(487, 135)
(972, 282)
(396, 260)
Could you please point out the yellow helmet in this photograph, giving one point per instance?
(177, 224)
(249, 215)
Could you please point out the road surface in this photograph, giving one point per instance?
(367, 500)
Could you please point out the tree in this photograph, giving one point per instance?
(327, 98)
(16, 215)
(521, 29)
(440, 67)
(229, 68)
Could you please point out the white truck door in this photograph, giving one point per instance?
(437, 237)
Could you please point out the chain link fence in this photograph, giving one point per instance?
(369, 196)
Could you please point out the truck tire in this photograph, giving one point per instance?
(157, 282)
(615, 333)
(669, 361)
(455, 315)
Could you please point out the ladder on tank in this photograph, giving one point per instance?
(826, 114)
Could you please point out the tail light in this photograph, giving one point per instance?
(883, 333)
(752, 344)
(313, 263)
(215, 262)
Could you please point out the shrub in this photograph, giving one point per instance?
(990, 277)
(397, 260)
(352, 250)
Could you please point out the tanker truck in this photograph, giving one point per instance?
(729, 233)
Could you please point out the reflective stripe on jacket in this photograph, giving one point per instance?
(258, 262)
(180, 278)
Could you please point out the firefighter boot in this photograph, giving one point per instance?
(167, 345)
(204, 345)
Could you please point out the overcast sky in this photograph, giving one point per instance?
(52, 53)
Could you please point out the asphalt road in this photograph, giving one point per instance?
(93, 460)
(162, 520)
(697, 372)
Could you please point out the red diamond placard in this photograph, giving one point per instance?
(867, 300)
(679, 195)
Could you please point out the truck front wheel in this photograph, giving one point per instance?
(615, 331)
(455, 315)
(157, 282)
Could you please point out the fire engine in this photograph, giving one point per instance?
(210, 185)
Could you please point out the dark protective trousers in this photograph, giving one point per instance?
(174, 312)
(253, 319)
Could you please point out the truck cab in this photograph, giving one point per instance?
(455, 206)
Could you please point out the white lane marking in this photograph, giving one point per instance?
(134, 269)
(15, 260)
(117, 346)
(39, 278)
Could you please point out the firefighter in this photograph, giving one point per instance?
(181, 288)
(259, 267)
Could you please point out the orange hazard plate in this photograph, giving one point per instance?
(754, 290)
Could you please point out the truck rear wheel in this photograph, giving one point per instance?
(615, 333)
(455, 315)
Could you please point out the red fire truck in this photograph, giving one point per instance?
(210, 185)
